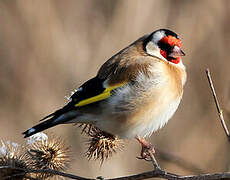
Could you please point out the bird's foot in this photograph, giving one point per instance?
(146, 149)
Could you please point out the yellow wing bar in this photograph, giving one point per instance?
(104, 95)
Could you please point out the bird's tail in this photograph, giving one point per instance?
(61, 116)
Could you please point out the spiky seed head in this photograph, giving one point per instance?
(87, 129)
(50, 153)
(101, 145)
(13, 157)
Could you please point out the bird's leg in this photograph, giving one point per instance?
(146, 148)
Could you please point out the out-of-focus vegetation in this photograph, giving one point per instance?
(48, 48)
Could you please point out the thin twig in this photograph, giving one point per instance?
(219, 110)
(154, 161)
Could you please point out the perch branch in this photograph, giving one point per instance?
(154, 161)
(156, 173)
(219, 110)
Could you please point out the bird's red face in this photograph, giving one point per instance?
(170, 48)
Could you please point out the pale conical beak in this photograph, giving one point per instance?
(176, 52)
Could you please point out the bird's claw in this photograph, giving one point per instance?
(143, 158)
(146, 149)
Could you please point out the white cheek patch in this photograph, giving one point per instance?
(153, 50)
(152, 47)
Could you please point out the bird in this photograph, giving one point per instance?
(133, 94)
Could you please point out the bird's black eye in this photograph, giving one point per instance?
(165, 47)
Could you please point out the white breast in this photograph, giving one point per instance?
(152, 121)
(144, 121)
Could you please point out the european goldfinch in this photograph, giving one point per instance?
(134, 93)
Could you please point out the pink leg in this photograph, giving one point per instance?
(146, 147)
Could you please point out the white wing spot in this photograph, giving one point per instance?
(79, 89)
(31, 130)
(72, 93)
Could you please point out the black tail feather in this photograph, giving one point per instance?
(58, 117)
(59, 112)
(40, 127)
(48, 116)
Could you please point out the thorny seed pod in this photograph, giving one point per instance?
(49, 154)
(101, 145)
(14, 159)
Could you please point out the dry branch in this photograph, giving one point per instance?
(219, 110)
(156, 173)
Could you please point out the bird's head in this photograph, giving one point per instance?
(164, 43)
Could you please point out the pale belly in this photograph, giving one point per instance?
(142, 123)
(150, 120)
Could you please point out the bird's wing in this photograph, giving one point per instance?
(113, 74)
(94, 90)
(91, 91)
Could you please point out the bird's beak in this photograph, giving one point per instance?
(176, 52)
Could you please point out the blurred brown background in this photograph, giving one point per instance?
(49, 48)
